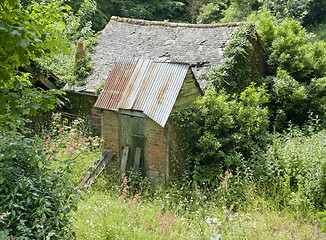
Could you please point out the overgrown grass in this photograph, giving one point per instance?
(240, 206)
(102, 216)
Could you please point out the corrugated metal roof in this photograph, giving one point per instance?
(143, 85)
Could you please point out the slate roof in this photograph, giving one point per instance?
(143, 85)
(197, 45)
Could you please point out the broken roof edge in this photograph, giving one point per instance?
(80, 90)
(173, 24)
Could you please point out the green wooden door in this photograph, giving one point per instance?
(132, 133)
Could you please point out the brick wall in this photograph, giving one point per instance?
(156, 148)
(159, 146)
(111, 133)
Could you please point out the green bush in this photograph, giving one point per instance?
(36, 197)
(237, 72)
(294, 169)
(220, 130)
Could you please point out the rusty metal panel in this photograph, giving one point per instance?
(164, 90)
(116, 84)
(143, 85)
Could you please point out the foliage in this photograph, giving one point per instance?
(288, 8)
(237, 72)
(69, 143)
(289, 100)
(193, 8)
(316, 13)
(323, 216)
(294, 169)
(226, 10)
(151, 10)
(160, 10)
(78, 28)
(295, 62)
(200, 216)
(293, 51)
(37, 198)
(26, 34)
(236, 12)
(319, 30)
(212, 12)
(221, 130)
(23, 100)
(290, 47)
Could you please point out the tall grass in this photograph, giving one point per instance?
(102, 216)
(240, 206)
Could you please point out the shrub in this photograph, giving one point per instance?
(239, 66)
(295, 168)
(37, 198)
(220, 131)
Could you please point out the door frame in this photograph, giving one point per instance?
(139, 115)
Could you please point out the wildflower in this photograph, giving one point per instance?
(227, 173)
(146, 225)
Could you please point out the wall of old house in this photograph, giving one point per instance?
(81, 105)
(163, 157)
(156, 150)
(110, 134)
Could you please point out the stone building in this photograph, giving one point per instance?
(150, 69)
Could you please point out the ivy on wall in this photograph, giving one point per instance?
(80, 104)
(242, 62)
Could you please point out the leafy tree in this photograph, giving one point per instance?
(316, 13)
(236, 12)
(26, 34)
(212, 12)
(35, 198)
(296, 64)
(193, 8)
(151, 10)
(288, 8)
(226, 10)
(237, 71)
(157, 9)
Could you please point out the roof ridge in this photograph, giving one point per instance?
(173, 24)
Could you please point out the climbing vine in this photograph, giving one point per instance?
(240, 62)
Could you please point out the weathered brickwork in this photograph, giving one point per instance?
(156, 147)
(161, 146)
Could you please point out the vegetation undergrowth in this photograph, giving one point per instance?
(171, 212)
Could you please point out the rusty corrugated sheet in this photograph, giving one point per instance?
(143, 85)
